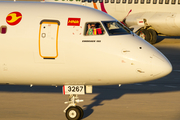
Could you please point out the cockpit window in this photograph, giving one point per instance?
(116, 28)
(93, 28)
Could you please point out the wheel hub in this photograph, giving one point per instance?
(142, 35)
(72, 113)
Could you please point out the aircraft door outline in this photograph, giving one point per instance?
(48, 39)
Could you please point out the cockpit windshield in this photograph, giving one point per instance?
(116, 28)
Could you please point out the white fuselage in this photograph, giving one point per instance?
(161, 15)
(66, 59)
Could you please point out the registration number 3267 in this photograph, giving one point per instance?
(73, 89)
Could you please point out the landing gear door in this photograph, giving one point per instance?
(48, 39)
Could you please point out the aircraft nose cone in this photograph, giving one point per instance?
(161, 66)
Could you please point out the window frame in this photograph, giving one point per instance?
(95, 22)
(118, 1)
(100, 1)
(124, 27)
(173, 3)
(106, 1)
(161, 1)
(130, 1)
(136, 1)
(154, 1)
(148, 1)
(142, 1)
(124, 1)
(112, 1)
(178, 1)
(167, 1)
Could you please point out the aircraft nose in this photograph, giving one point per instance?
(160, 66)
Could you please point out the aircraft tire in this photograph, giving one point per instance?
(73, 113)
(81, 112)
(153, 36)
(144, 34)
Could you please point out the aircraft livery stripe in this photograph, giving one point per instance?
(102, 7)
(95, 6)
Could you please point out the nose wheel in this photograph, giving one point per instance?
(73, 112)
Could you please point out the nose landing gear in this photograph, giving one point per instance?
(73, 112)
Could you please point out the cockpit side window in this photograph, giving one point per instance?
(93, 28)
(116, 28)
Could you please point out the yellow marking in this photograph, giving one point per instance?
(73, 21)
(95, 6)
(56, 40)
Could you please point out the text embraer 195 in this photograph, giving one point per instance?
(61, 45)
(147, 17)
